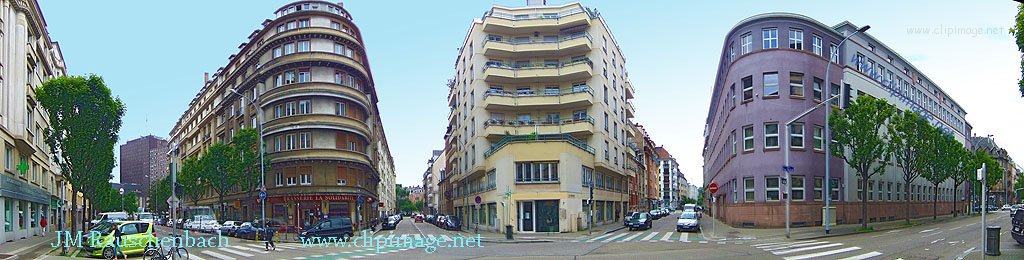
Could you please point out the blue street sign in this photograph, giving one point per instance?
(787, 168)
(263, 195)
(359, 200)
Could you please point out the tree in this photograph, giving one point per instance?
(1018, 33)
(190, 179)
(962, 171)
(246, 162)
(214, 169)
(159, 192)
(940, 147)
(860, 141)
(906, 144)
(84, 124)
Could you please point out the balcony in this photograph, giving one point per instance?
(538, 72)
(629, 89)
(629, 109)
(500, 22)
(497, 46)
(578, 96)
(580, 127)
(538, 138)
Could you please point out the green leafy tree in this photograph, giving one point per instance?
(84, 124)
(246, 163)
(940, 163)
(159, 192)
(1018, 33)
(215, 164)
(190, 179)
(906, 144)
(130, 202)
(860, 141)
(962, 171)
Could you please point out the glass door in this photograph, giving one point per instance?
(526, 210)
(547, 215)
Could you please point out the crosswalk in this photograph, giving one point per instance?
(653, 236)
(241, 251)
(814, 249)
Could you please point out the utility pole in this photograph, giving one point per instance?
(984, 199)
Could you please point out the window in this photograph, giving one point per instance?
(335, 25)
(816, 45)
(748, 89)
(735, 192)
(289, 108)
(817, 89)
(536, 172)
(289, 48)
(291, 25)
(796, 135)
(818, 184)
(746, 44)
(732, 137)
(304, 107)
(748, 138)
(304, 141)
(277, 52)
(339, 49)
(304, 75)
(9, 158)
(277, 144)
(770, 38)
(796, 39)
(588, 176)
(732, 94)
(339, 109)
(834, 89)
(748, 189)
(797, 187)
(771, 188)
(818, 137)
(771, 135)
(291, 180)
(771, 84)
(290, 142)
(871, 190)
(834, 186)
(834, 50)
(289, 77)
(305, 179)
(303, 23)
(303, 46)
(796, 84)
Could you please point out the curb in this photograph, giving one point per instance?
(516, 241)
(613, 230)
(872, 231)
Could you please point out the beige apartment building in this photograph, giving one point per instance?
(539, 108)
(31, 186)
(308, 72)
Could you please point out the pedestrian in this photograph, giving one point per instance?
(42, 223)
(268, 234)
(117, 242)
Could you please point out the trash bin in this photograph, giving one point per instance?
(508, 232)
(992, 240)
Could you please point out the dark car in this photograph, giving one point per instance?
(688, 221)
(655, 214)
(389, 224)
(625, 220)
(640, 221)
(452, 223)
(339, 227)
(247, 231)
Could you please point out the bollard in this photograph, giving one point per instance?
(992, 240)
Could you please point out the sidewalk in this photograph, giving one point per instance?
(540, 237)
(723, 231)
(29, 247)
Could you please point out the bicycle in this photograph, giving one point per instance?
(174, 252)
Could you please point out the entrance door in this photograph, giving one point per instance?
(547, 215)
(526, 216)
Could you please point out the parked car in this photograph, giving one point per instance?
(440, 220)
(139, 233)
(625, 220)
(246, 231)
(339, 227)
(390, 224)
(110, 216)
(452, 223)
(1017, 222)
(640, 221)
(654, 214)
(688, 221)
(1005, 207)
(228, 227)
(429, 219)
(419, 218)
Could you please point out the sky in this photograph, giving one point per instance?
(152, 54)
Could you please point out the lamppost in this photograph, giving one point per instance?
(263, 176)
(786, 168)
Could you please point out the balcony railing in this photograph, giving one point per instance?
(563, 38)
(520, 66)
(531, 93)
(538, 122)
(533, 16)
(538, 138)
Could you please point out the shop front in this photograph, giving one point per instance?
(304, 211)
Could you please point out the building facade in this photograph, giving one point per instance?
(431, 178)
(309, 74)
(31, 186)
(1003, 192)
(670, 178)
(540, 105)
(772, 67)
(143, 162)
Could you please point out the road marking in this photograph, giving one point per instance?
(299, 257)
(783, 252)
(721, 243)
(218, 256)
(928, 235)
(418, 236)
(956, 228)
(445, 238)
(937, 240)
(390, 236)
(702, 242)
(965, 253)
(630, 237)
(685, 237)
(598, 237)
(894, 231)
(248, 249)
(768, 244)
(820, 254)
(195, 257)
(648, 237)
(357, 256)
(788, 245)
(863, 256)
(927, 230)
(432, 237)
(235, 252)
(404, 237)
(667, 236)
(614, 237)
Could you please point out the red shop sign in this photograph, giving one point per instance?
(293, 198)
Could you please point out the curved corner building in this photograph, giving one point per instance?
(308, 72)
(772, 68)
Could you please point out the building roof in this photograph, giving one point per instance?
(662, 152)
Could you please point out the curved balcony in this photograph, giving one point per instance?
(629, 89)
(314, 89)
(313, 58)
(532, 138)
(509, 23)
(581, 127)
(580, 96)
(565, 46)
(527, 73)
(319, 154)
(629, 109)
(314, 32)
(313, 121)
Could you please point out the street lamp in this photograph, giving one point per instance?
(786, 168)
(263, 176)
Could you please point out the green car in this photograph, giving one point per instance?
(135, 235)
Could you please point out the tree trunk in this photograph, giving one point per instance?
(864, 205)
(906, 200)
(74, 206)
(935, 202)
(955, 210)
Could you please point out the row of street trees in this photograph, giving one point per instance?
(222, 169)
(871, 132)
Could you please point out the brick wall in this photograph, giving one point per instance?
(773, 215)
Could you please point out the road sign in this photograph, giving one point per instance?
(121, 191)
(172, 202)
(263, 188)
(477, 200)
(263, 195)
(713, 188)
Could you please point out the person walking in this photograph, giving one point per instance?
(42, 223)
(268, 234)
(117, 242)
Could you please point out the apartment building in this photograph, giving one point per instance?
(309, 76)
(431, 178)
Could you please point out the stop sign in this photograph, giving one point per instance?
(713, 188)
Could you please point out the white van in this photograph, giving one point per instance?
(110, 216)
(146, 216)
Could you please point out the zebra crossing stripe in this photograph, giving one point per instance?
(391, 236)
(863, 256)
(791, 245)
(600, 237)
(666, 237)
(769, 244)
(648, 237)
(248, 249)
(235, 252)
(418, 236)
(806, 248)
(630, 237)
(445, 238)
(432, 237)
(684, 237)
(196, 257)
(405, 236)
(218, 256)
(821, 254)
(614, 237)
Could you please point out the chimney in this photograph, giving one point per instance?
(206, 77)
(536, 2)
